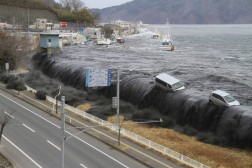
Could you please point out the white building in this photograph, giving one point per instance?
(122, 24)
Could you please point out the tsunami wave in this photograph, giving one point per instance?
(222, 126)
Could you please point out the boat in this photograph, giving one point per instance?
(167, 43)
(103, 41)
(156, 34)
(115, 38)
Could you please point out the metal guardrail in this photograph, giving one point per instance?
(137, 138)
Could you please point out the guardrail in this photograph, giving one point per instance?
(137, 138)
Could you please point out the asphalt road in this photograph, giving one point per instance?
(32, 139)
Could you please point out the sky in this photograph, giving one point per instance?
(103, 3)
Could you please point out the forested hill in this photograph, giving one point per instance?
(182, 11)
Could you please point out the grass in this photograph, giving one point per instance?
(4, 163)
(210, 155)
(84, 107)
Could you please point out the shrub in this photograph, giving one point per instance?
(41, 95)
(14, 83)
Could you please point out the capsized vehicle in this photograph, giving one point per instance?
(222, 98)
(168, 82)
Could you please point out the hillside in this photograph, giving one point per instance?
(21, 10)
(21, 15)
(181, 11)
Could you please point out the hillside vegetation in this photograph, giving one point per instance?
(182, 11)
(30, 10)
(28, 4)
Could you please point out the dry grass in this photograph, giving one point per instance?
(4, 163)
(210, 155)
(84, 107)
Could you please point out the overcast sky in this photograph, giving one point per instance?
(103, 3)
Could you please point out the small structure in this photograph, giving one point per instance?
(51, 43)
(122, 24)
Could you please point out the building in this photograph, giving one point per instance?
(122, 24)
(51, 43)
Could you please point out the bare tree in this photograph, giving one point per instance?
(72, 4)
(4, 120)
(96, 16)
(12, 49)
(48, 2)
(77, 4)
(66, 4)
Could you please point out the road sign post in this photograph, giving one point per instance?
(7, 68)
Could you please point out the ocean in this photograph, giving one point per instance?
(206, 57)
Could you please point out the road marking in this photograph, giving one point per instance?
(28, 128)
(67, 132)
(53, 145)
(83, 166)
(8, 114)
(22, 152)
(29, 110)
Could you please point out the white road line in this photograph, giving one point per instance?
(83, 166)
(67, 132)
(8, 114)
(28, 128)
(22, 152)
(53, 145)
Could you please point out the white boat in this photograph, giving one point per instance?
(167, 43)
(156, 34)
(115, 38)
(103, 41)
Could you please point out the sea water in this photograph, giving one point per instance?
(206, 57)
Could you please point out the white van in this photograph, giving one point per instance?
(168, 82)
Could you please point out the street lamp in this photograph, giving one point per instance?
(55, 98)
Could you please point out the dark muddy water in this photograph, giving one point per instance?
(206, 58)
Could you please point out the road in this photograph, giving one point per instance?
(32, 139)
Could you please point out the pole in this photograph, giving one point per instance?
(13, 25)
(118, 97)
(62, 131)
(28, 19)
(7, 68)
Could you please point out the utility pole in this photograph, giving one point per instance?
(118, 98)
(62, 131)
(28, 20)
(13, 25)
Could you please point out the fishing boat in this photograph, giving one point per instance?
(167, 44)
(166, 41)
(101, 40)
(156, 34)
